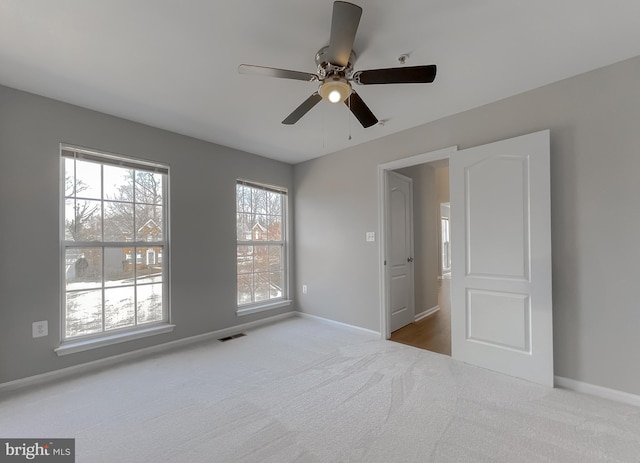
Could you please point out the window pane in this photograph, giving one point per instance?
(261, 287)
(245, 259)
(274, 203)
(148, 223)
(119, 307)
(243, 227)
(275, 258)
(69, 177)
(150, 303)
(83, 268)
(69, 223)
(148, 188)
(276, 288)
(118, 183)
(118, 269)
(245, 288)
(258, 201)
(243, 198)
(261, 259)
(83, 312)
(258, 227)
(83, 220)
(118, 221)
(150, 268)
(275, 228)
(88, 180)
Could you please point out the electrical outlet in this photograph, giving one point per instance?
(304, 289)
(40, 329)
(371, 236)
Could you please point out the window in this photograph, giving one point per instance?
(114, 220)
(261, 239)
(445, 239)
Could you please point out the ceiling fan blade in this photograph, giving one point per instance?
(303, 109)
(275, 72)
(344, 25)
(360, 110)
(405, 75)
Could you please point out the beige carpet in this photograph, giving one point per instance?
(307, 391)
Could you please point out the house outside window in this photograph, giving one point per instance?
(114, 216)
(261, 244)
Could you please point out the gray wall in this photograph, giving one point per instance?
(594, 120)
(202, 207)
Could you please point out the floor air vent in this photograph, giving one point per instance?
(229, 338)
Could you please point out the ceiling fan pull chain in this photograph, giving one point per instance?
(324, 127)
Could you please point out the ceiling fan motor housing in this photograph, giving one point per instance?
(325, 67)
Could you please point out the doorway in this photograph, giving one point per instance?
(429, 326)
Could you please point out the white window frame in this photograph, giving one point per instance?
(278, 302)
(445, 241)
(82, 342)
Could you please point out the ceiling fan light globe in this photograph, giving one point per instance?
(335, 97)
(335, 90)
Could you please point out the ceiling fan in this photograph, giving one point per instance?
(335, 70)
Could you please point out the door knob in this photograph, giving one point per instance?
(409, 259)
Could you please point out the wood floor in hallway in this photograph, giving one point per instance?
(432, 333)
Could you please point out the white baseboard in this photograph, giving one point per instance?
(333, 322)
(598, 391)
(76, 369)
(427, 312)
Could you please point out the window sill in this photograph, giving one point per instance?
(72, 347)
(263, 307)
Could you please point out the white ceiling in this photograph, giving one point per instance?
(173, 63)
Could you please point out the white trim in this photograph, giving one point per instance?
(263, 307)
(71, 347)
(115, 159)
(444, 153)
(598, 391)
(105, 362)
(423, 158)
(427, 313)
(333, 322)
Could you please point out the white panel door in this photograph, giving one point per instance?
(501, 307)
(400, 252)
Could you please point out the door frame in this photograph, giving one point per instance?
(383, 208)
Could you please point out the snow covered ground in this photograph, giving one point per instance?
(119, 299)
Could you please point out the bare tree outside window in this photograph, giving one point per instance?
(114, 211)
